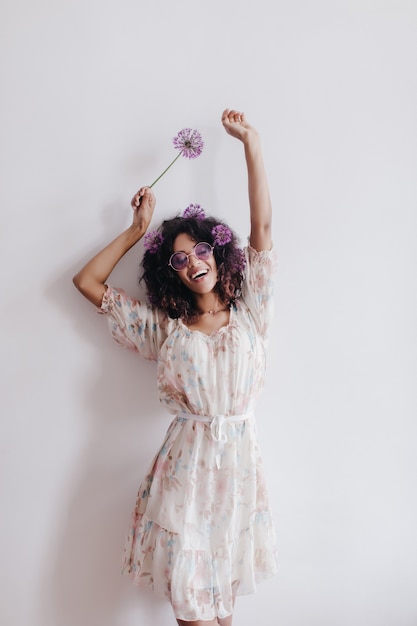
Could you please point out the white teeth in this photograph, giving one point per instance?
(198, 274)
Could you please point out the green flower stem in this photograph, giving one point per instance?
(165, 170)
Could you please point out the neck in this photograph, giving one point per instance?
(209, 303)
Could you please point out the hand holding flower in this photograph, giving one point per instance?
(143, 204)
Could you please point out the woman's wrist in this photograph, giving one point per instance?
(135, 232)
(251, 139)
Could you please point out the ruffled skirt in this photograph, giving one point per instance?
(202, 531)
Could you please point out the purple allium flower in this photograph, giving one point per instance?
(222, 235)
(189, 142)
(152, 241)
(194, 210)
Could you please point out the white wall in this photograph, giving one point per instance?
(92, 93)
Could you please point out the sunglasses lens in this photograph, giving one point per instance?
(179, 260)
(203, 251)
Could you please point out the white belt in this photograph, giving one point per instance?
(217, 423)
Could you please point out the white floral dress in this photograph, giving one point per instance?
(202, 530)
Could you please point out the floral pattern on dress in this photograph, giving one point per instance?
(202, 530)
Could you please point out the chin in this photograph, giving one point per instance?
(201, 288)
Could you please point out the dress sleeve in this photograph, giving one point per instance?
(133, 324)
(258, 286)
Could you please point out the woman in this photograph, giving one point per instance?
(201, 531)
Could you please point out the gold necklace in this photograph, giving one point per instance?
(212, 311)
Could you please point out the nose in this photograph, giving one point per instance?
(192, 259)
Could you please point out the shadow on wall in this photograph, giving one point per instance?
(124, 427)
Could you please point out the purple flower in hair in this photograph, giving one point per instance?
(152, 241)
(194, 210)
(189, 142)
(221, 235)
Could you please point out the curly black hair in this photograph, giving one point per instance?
(164, 287)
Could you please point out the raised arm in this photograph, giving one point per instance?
(91, 279)
(236, 125)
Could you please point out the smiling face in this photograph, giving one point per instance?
(199, 276)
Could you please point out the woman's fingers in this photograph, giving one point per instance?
(235, 124)
(137, 198)
(231, 115)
